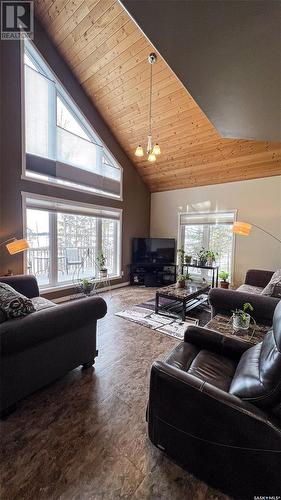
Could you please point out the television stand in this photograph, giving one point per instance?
(153, 274)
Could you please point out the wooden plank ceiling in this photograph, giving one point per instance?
(108, 54)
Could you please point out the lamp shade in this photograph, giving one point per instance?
(139, 151)
(242, 228)
(17, 246)
(156, 150)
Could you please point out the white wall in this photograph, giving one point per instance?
(257, 201)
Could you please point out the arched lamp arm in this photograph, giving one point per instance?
(272, 235)
(6, 241)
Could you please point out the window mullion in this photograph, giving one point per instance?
(99, 236)
(53, 249)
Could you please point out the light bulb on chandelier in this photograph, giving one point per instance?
(151, 156)
(152, 150)
(139, 151)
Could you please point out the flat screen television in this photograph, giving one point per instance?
(154, 250)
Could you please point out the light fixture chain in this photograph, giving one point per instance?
(150, 102)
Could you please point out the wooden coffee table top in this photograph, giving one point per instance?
(189, 291)
(223, 325)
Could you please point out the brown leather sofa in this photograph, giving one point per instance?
(39, 348)
(215, 408)
(224, 301)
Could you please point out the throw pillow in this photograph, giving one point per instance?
(13, 304)
(274, 283)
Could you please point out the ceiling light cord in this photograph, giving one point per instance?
(151, 149)
(150, 103)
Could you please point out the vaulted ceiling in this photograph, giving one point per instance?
(108, 54)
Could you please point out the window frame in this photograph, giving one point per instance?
(69, 102)
(181, 230)
(118, 243)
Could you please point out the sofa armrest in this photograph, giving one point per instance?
(25, 284)
(185, 402)
(41, 326)
(258, 277)
(216, 342)
(224, 301)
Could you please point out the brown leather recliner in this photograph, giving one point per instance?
(215, 407)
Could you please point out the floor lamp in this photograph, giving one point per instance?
(13, 245)
(244, 229)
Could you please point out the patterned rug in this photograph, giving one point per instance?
(144, 315)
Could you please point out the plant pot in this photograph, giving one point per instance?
(180, 284)
(202, 263)
(224, 284)
(240, 323)
(188, 259)
(103, 273)
(87, 289)
(194, 262)
(210, 262)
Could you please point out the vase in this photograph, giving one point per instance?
(103, 273)
(240, 323)
(180, 284)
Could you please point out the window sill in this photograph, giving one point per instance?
(68, 286)
(26, 177)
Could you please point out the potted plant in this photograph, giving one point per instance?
(240, 318)
(187, 259)
(223, 275)
(86, 285)
(211, 257)
(202, 257)
(181, 281)
(101, 261)
(181, 255)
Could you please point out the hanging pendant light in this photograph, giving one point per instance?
(139, 151)
(152, 150)
(156, 149)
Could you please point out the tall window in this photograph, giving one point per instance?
(65, 240)
(61, 146)
(212, 231)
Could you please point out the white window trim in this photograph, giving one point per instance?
(119, 211)
(69, 101)
(233, 249)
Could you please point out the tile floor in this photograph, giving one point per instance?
(84, 437)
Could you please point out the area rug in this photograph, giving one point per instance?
(144, 315)
(201, 312)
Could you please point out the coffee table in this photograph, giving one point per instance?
(223, 324)
(181, 300)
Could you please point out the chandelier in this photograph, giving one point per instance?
(152, 150)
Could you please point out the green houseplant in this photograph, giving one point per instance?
(241, 318)
(101, 261)
(181, 253)
(86, 285)
(211, 257)
(181, 280)
(223, 275)
(187, 259)
(202, 257)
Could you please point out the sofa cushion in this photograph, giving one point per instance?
(213, 368)
(13, 304)
(274, 286)
(250, 289)
(42, 303)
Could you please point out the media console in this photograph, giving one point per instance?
(153, 274)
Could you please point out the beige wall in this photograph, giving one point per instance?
(136, 203)
(257, 201)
